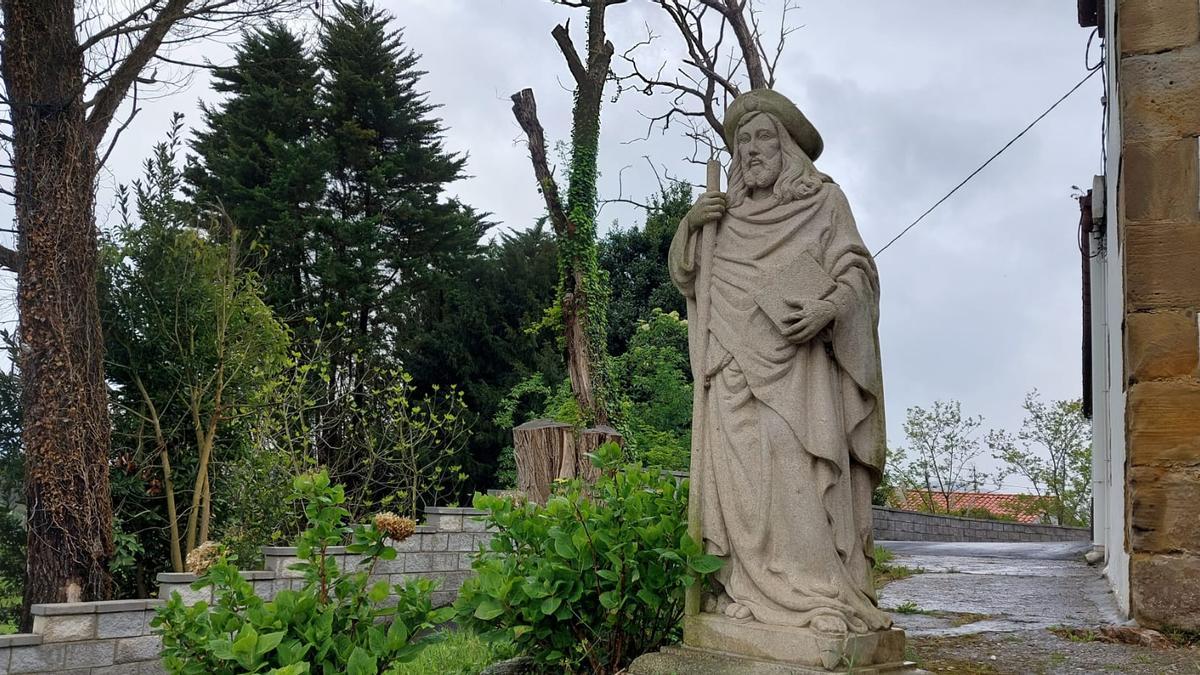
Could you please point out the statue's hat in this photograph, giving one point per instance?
(771, 101)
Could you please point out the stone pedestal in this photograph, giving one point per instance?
(718, 644)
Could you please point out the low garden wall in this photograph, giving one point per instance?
(897, 525)
(114, 637)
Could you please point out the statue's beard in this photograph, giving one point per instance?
(760, 176)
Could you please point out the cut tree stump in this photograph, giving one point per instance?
(547, 450)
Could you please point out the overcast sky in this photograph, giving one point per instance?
(980, 302)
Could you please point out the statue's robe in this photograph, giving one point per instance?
(789, 439)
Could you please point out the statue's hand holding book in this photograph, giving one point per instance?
(794, 299)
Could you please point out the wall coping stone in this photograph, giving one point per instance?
(454, 511)
(176, 577)
(96, 607)
(62, 608)
(20, 640)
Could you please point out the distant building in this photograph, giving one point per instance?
(973, 504)
(1140, 235)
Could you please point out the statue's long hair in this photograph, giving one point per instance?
(798, 177)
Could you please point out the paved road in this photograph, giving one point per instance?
(1012, 586)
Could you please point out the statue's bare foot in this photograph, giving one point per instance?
(737, 611)
(829, 624)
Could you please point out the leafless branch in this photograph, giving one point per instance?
(525, 110)
(112, 143)
(118, 53)
(713, 72)
(562, 36)
(10, 259)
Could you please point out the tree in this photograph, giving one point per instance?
(582, 294)
(263, 160)
(653, 384)
(386, 234)
(1053, 451)
(943, 451)
(387, 229)
(65, 79)
(473, 327)
(635, 261)
(191, 344)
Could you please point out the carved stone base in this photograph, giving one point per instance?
(717, 644)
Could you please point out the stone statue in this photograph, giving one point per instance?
(788, 431)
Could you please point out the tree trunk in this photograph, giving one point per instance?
(546, 451)
(65, 428)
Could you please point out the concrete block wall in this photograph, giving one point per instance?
(115, 638)
(897, 525)
(1157, 49)
(440, 550)
(100, 638)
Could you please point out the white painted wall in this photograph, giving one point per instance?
(1109, 380)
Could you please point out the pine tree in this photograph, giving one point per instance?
(262, 159)
(388, 230)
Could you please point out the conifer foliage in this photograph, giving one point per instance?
(331, 158)
(263, 160)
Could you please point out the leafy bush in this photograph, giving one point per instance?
(592, 579)
(337, 623)
(654, 406)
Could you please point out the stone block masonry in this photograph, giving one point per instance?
(1159, 228)
(111, 638)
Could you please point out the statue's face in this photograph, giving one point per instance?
(759, 152)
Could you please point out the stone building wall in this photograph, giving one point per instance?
(897, 525)
(1158, 53)
(114, 638)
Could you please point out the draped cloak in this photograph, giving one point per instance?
(788, 440)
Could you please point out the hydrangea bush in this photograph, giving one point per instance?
(594, 578)
(338, 622)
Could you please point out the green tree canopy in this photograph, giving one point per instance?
(636, 262)
(190, 346)
(262, 158)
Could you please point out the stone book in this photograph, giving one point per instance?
(802, 279)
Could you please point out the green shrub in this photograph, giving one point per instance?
(338, 622)
(592, 579)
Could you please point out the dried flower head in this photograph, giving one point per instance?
(397, 528)
(204, 556)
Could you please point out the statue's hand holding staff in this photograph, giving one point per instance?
(811, 316)
(709, 208)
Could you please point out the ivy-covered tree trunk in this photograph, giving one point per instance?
(65, 430)
(583, 293)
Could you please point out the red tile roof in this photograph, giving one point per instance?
(999, 504)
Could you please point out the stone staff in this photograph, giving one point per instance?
(708, 244)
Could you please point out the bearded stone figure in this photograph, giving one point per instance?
(788, 435)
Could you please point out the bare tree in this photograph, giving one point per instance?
(728, 51)
(574, 222)
(68, 68)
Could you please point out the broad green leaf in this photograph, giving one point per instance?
(705, 564)
(488, 610)
(361, 663)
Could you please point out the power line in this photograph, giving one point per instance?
(989, 160)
